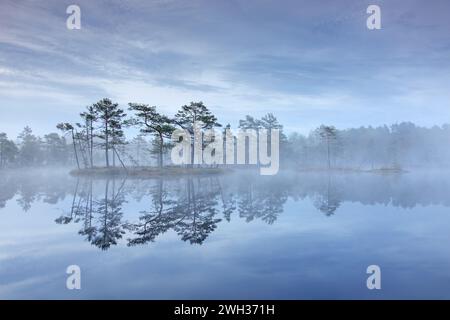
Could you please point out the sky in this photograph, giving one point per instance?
(307, 62)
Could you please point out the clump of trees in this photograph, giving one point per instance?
(8, 151)
(101, 127)
(398, 145)
(103, 124)
(31, 150)
(98, 139)
(151, 122)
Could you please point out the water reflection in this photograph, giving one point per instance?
(193, 207)
(100, 218)
(189, 207)
(327, 200)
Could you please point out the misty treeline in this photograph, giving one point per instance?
(396, 146)
(98, 139)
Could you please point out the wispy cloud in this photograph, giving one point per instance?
(306, 62)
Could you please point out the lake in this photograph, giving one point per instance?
(235, 236)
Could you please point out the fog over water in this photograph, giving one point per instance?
(241, 149)
(239, 235)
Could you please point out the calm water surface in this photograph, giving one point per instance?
(241, 236)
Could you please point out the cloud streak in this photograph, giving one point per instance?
(307, 62)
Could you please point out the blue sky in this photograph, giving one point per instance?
(308, 62)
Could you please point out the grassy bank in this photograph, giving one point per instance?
(386, 170)
(145, 172)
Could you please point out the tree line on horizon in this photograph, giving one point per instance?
(102, 126)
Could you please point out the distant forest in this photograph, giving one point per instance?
(98, 139)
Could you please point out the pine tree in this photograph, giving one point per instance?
(329, 135)
(195, 112)
(111, 121)
(150, 121)
(8, 151)
(89, 116)
(29, 147)
(68, 128)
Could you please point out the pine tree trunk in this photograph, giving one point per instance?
(1, 155)
(75, 150)
(161, 141)
(118, 157)
(91, 151)
(328, 153)
(106, 145)
(114, 156)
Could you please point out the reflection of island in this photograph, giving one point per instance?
(263, 200)
(102, 218)
(193, 207)
(192, 214)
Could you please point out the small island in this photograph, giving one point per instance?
(148, 172)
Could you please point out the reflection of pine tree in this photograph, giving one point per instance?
(189, 208)
(196, 211)
(102, 219)
(76, 210)
(261, 201)
(227, 199)
(110, 228)
(27, 193)
(156, 221)
(65, 219)
(273, 199)
(327, 201)
(26, 199)
(249, 204)
(188, 211)
(88, 229)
